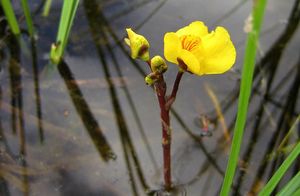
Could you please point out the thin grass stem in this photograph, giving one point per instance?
(66, 20)
(46, 8)
(10, 16)
(28, 17)
(245, 90)
(272, 183)
(291, 186)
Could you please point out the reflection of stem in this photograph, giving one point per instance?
(259, 114)
(13, 98)
(16, 90)
(85, 113)
(199, 142)
(127, 160)
(271, 60)
(151, 14)
(229, 12)
(25, 181)
(132, 7)
(17, 100)
(275, 50)
(37, 90)
(4, 190)
(283, 124)
(128, 96)
(94, 15)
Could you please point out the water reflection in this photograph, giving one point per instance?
(50, 133)
(265, 72)
(95, 17)
(85, 113)
(35, 68)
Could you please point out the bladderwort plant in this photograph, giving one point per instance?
(194, 50)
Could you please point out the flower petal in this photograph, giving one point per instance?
(219, 52)
(127, 41)
(198, 52)
(196, 28)
(191, 61)
(172, 47)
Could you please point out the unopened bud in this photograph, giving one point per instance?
(151, 78)
(158, 64)
(138, 44)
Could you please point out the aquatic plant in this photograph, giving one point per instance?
(66, 20)
(12, 20)
(67, 16)
(195, 51)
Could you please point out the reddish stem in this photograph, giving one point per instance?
(165, 105)
(176, 84)
(172, 97)
(160, 88)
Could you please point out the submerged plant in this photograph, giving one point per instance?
(195, 51)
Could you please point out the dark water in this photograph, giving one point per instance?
(90, 126)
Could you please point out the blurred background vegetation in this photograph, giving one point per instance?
(90, 126)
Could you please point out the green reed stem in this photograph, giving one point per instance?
(245, 90)
(66, 20)
(10, 16)
(269, 187)
(291, 187)
(47, 7)
(28, 17)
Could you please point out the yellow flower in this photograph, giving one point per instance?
(201, 52)
(138, 44)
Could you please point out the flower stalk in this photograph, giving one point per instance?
(160, 88)
(165, 103)
(194, 50)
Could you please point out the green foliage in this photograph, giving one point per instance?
(66, 21)
(269, 187)
(12, 20)
(28, 18)
(47, 7)
(294, 183)
(10, 15)
(245, 89)
(292, 186)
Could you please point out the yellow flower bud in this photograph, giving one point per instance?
(151, 78)
(138, 44)
(158, 64)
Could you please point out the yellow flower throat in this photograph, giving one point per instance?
(188, 42)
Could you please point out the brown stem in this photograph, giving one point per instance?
(160, 88)
(176, 83)
(172, 97)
